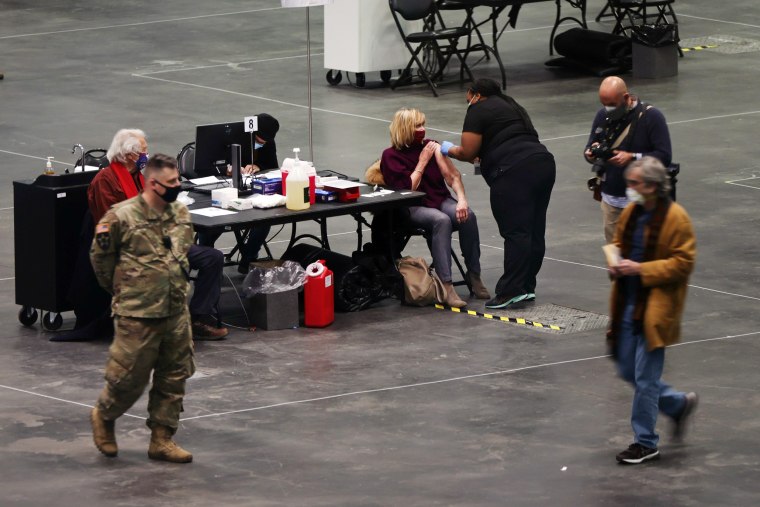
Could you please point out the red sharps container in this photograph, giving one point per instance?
(319, 297)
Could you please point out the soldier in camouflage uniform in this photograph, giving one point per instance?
(140, 256)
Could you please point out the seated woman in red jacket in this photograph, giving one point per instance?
(416, 163)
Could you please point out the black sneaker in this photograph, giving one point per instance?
(503, 301)
(681, 422)
(637, 453)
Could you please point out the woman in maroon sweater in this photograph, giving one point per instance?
(416, 163)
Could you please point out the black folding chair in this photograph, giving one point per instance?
(473, 30)
(441, 43)
(410, 231)
(606, 12)
(631, 13)
(186, 161)
(392, 231)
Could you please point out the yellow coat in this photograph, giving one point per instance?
(667, 276)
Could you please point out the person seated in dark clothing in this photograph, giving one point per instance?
(264, 159)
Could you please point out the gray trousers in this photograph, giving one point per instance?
(440, 223)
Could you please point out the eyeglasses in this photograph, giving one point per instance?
(634, 182)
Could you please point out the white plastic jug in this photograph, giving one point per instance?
(287, 165)
(297, 191)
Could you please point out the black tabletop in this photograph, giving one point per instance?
(282, 215)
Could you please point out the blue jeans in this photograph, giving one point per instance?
(643, 369)
(441, 223)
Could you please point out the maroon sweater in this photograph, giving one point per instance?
(397, 166)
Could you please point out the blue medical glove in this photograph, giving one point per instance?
(445, 147)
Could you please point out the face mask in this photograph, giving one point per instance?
(634, 196)
(419, 135)
(141, 161)
(171, 193)
(257, 146)
(617, 112)
(471, 101)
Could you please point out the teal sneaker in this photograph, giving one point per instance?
(504, 302)
(530, 296)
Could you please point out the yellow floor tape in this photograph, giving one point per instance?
(514, 320)
(697, 48)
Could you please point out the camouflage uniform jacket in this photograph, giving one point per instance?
(140, 256)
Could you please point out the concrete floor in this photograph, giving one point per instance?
(392, 405)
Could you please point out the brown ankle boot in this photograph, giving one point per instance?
(103, 434)
(163, 448)
(452, 298)
(477, 286)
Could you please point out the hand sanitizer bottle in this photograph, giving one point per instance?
(49, 166)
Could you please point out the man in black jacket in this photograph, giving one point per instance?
(264, 158)
(624, 130)
(265, 148)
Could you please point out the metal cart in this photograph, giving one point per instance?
(48, 214)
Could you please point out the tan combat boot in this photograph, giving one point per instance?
(163, 448)
(102, 434)
(477, 286)
(452, 298)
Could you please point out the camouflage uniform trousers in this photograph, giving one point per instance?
(161, 345)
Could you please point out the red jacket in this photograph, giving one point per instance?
(106, 189)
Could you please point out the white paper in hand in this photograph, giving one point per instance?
(612, 253)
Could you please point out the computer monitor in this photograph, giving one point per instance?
(213, 147)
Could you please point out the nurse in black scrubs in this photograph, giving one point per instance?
(520, 172)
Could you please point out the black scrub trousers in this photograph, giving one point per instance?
(519, 201)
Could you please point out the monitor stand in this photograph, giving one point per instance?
(237, 178)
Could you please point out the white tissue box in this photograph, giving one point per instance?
(221, 197)
(240, 204)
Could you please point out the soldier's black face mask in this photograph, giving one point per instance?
(170, 193)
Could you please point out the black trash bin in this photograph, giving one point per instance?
(655, 51)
